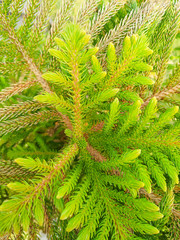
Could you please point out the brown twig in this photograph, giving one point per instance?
(95, 154)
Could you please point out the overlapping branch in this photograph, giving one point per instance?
(14, 89)
(34, 69)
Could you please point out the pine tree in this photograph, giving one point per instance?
(87, 139)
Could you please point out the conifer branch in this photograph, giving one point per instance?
(35, 193)
(167, 40)
(64, 160)
(155, 141)
(16, 110)
(95, 154)
(5, 6)
(87, 11)
(29, 16)
(41, 22)
(104, 16)
(16, 8)
(9, 171)
(60, 19)
(21, 49)
(77, 100)
(114, 149)
(27, 121)
(136, 20)
(129, 59)
(14, 89)
(156, 198)
(55, 101)
(174, 78)
(163, 94)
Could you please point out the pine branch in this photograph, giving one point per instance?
(174, 78)
(60, 20)
(71, 181)
(41, 22)
(131, 118)
(163, 94)
(167, 41)
(156, 171)
(18, 65)
(21, 49)
(103, 16)
(16, 9)
(16, 110)
(14, 89)
(31, 10)
(113, 116)
(86, 11)
(36, 165)
(77, 98)
(11, 61)
(167, 166)
(10, 171)
(158, 141)
(156, 198)
(34, 69)
(135, 49)
(136, 20)
(55, 101)
(27, 121)
(32, 194)
(5, 6)
(32, 151)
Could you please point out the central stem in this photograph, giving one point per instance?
(77, 100)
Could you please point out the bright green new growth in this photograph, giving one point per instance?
(101, 146)
(102, 188)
